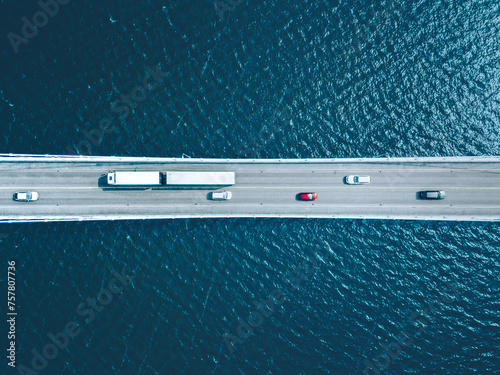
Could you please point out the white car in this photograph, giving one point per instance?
(221, 195)
(28, 196)
(357, 180)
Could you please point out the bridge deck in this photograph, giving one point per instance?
(73, 191)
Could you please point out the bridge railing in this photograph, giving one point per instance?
(128, 159)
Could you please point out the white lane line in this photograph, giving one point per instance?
(353, 188)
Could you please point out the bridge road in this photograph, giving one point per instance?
(71, 191)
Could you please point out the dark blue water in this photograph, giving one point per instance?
(267, 80)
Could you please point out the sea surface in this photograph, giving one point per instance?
(242, 79)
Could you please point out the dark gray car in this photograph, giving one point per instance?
(432, 194)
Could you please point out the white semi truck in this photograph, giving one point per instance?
(171, 178)
(134, 178)
(199, 178)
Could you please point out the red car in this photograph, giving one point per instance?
(308, 196)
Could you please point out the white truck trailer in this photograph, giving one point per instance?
(199, 178)
(134, 178)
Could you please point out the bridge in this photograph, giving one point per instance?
(73, 188)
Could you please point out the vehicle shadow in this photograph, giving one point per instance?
(102, 183)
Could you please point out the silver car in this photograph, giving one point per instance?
(221, 195)
(27, 196)
(357, 180)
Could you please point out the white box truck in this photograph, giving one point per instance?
(199, 178)
(134, 178)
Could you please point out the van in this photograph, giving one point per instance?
(357, 180)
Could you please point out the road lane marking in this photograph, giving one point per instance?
(353, 188)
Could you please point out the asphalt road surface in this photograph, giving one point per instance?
(76, 191)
